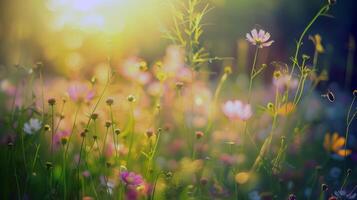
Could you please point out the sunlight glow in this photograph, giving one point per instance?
(108, 16)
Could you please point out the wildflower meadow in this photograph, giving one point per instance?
(178, 99)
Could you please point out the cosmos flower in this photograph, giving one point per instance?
(236, 110)
(285, 82)
(131, 178)
(343, 194)
(260, 38)
(32, 126)
(80, 92)
(335, 144)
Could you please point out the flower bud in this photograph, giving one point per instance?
(131, 98)
(117, 131)
(199, 134)
(52, 101)
(108, 124)
(47, 127)
(109, 101)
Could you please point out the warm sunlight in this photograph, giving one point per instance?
(110, 16)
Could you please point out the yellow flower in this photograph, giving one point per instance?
(316, 39)
(335, 144)
(286, 109)
(241, 177)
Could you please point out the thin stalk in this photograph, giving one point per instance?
(251, 78)
(215, 99)
(131, 132)
(105, 140)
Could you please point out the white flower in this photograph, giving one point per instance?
(32, 126)
(259, 38)
(342, 194)
(236, 110)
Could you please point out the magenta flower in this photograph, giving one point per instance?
(131, 178)
(236, 110)
(80, 92)
(260, 38)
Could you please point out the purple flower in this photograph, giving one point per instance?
(131, 178)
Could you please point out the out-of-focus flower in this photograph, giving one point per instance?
(236, 110)
(260, 38)
(284, 81)
(108, 184)
(286, 109)
(254, 195)
(80, 92)
(135, 69)
(335, 144)
(242, 177)
(343, 194)
(131, 178)
(316, 39)
(8, 87)
(32, 126)
(335, 172)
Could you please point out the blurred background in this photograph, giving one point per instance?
(74, 36)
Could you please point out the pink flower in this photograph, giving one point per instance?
(236, 110)
(131, 178)
(285, 81)
(259, 38)
(80, 92)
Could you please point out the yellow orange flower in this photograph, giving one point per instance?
(316, 39)
(335, 143)
(286, 109)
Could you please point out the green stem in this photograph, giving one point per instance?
(251, 78)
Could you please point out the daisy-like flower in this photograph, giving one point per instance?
(32, 126)
(343, 194)
(131, 178)
(236, 110)
(80, 92)
(260, 38)
(335, 144)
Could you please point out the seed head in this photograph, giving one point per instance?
(49, 165)
(109, 101)
(149, 133)
(117, 131)
(47, 127)
(39, 65)
(228, 70)
(64, 140)
(199, 134)
(305, 57)
(131, 98)
(203, 181)
(179, 85)
(277, 74)
(52, 101)
(108, 124)
(143, 66)
(354, 92)
(324, 187)
(94, 116)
